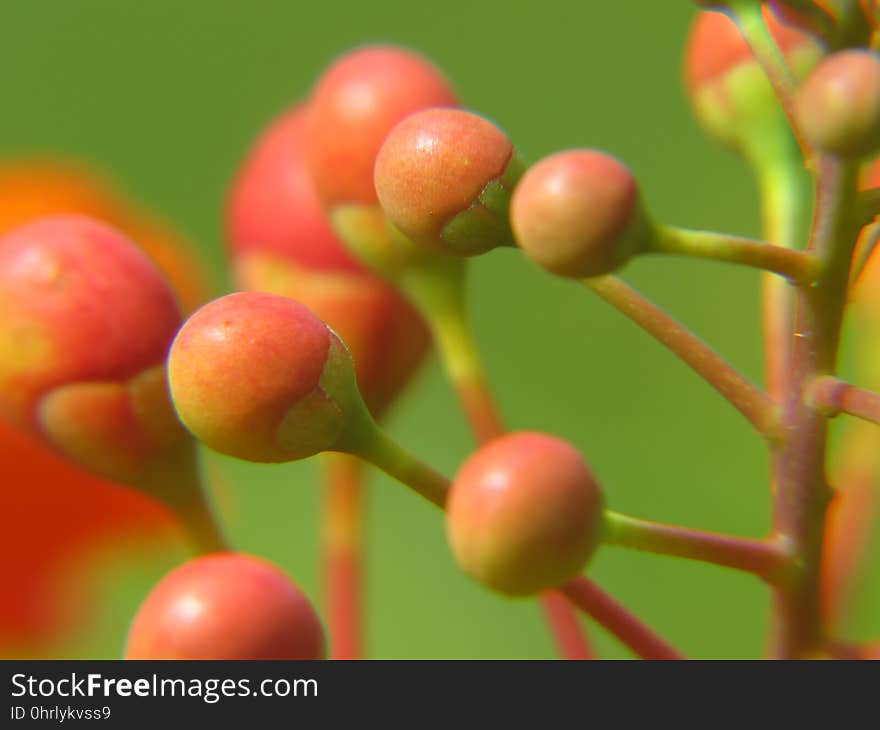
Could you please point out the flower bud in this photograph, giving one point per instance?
(354, 105)
(838, 106)
(524, 513)
(444, 177)
(261, 378)
(578, 213)
(226, 606)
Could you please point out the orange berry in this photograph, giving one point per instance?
(355, 103)
(578, 213)
(444, 178)
(261, 378)
(225, 606)
(524, 513)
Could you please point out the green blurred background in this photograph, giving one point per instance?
(167, 95)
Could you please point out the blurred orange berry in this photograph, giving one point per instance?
(54, 516)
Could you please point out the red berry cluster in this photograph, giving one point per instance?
(349, 226)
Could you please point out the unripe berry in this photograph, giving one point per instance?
(282, 243)
(524, 513)
(260, 377)
(728, 90)
(31, 189)
(355, 103)
(838, 106)
(85, 323)
(225, 606)
(578, 213)
(444, 177)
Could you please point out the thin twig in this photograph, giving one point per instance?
(754, 404)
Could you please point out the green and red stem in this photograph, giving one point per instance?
(748, 17)
(190, 502)
(802, 493)
(767, 559)
(784, 188)
(797, 266)
(342, 526)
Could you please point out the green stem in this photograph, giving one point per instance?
(753, 403)
(764, 558)
(183, 489)
(750, 20)
(203, 529)
(383, 452)
(799, 267)
(458, 350)
(785, 191)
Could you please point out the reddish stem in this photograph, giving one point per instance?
(342, 563)
(752, 402)
(607, 612)
(479, 407)
(570, 637)
(834, 396)
(801, 491)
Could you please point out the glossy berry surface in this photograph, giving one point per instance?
(523, 513)
(577, 213)
(246, 377)
(444, 178)
(225, 606)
